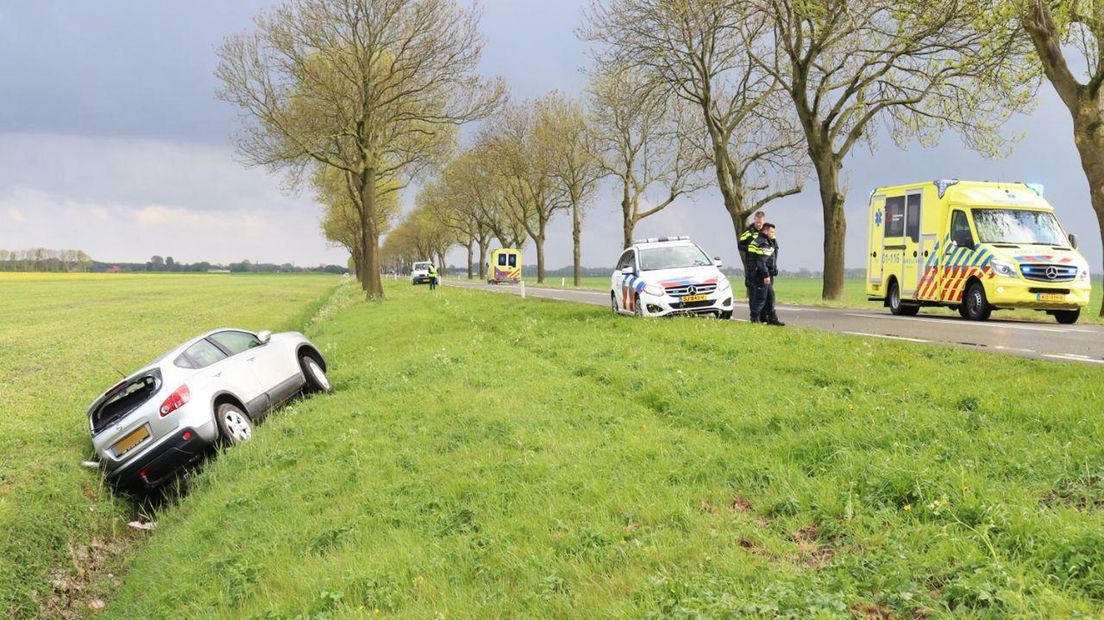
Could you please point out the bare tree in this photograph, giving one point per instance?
(699, 51)
(1054, 27)
(374, 88)
(566, 137)
(531, 193)
(919, 67)
(645, 141)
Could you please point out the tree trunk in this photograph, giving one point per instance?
(539, 242)
(627, 221)
(370, 280)
(1088, 136)
(835, 227)
(576, 235)
(482, 259)
(469, 246)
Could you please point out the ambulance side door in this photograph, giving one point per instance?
(875, 252)
(893, 243)
(912, 260)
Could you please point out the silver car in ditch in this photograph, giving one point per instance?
(210, 389)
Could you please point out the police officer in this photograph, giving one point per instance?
(432, 273)
(760, 266)
(745, 240)
(768, 315)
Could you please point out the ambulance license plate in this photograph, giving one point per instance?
(1050, 297)
(687, 298)
(126, 444)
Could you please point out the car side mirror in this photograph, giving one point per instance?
(718, 262)
(264, 336)
(1073, 240)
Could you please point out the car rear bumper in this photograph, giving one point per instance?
(157, 464)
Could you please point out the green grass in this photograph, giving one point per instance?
(486, 456)
(60, 335)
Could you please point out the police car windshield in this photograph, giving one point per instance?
(672, 257)
(1019, 226)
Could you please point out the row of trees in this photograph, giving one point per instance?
(45, 259)
(362, 96)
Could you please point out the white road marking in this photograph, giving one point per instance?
(1073, 358)
(1056, 330)
(886, 336)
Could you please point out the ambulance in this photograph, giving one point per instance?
(974, 247)
(504, 265)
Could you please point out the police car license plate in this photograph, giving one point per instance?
(687, 298)
(1050, 297)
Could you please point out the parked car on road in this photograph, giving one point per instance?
(419, 272)
(210, 389)
(668, 276)
(974, 247)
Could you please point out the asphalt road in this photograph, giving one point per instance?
(1050, 341)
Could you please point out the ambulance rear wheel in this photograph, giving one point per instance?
(1067, 317)
(976, 304)
(961, 310)
(895, 305)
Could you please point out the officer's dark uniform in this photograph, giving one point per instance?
(742, 243)
(767, 314)
(760, 264)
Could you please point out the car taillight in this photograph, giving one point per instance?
(176, 400)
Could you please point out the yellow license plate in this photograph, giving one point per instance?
(1050, 297)
(694, 298)
(126, 444)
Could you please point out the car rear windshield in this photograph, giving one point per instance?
(672, 257)
(125, 398)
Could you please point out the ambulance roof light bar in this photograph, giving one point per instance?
(942, 184)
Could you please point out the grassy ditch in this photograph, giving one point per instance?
(486, 456)
(61, 337)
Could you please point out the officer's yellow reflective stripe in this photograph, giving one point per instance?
(755, 249)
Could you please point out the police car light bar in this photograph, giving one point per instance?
(662, 239)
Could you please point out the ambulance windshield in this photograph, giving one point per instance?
(1019, 226)
(672, 257)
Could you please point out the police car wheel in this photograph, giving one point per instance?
(637, 310)
(977, 306)
(613, 302)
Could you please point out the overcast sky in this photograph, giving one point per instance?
(111, 141)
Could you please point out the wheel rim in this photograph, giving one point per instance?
(975, 301)
(318, 374)
(237, 425)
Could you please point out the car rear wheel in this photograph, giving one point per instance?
(976, 304)
(895, 305)
(1067, 317)
(317, 381)
(234, 425)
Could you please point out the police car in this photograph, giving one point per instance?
(667, 276)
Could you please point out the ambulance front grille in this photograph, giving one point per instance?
(1049, 273)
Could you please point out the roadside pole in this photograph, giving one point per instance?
(522, 289)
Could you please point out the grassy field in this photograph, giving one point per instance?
(60, 336)
(486, 456)
(806, 292)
